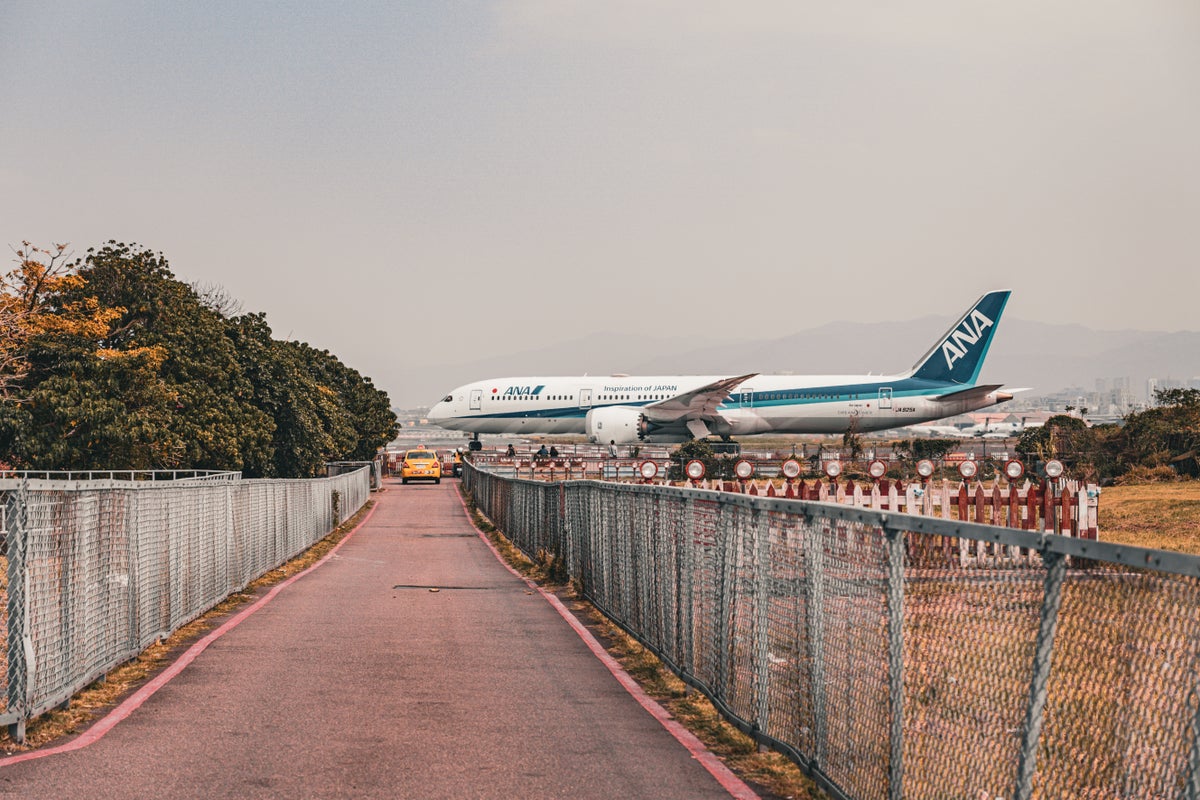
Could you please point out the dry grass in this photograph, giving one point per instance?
(1165, 516)
(104, 694)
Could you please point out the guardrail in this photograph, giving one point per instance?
(98, 570)
(826, 632)
(218, 476)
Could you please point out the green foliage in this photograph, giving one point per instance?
(694, 450)
(1163, 440)
(915, 450)
(167, 381)
(1063, 437)
(852, 440)
(1166, 435)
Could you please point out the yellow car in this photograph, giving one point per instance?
(421, 465)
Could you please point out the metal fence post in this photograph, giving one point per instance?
(685, 567)
(762, 617)
(895, 544)
(1056, 570)
(726, 596)
(18, 609)
(133, 507)
(814, 567)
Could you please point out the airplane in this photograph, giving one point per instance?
(984, 430)
(675, 408)
(987, 429)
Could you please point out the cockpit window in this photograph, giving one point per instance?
(448, 398)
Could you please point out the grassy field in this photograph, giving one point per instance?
(1165, 516)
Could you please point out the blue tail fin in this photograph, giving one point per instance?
(959, 354)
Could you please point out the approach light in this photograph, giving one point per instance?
(833, 468)
(1054, 468)
(694, 470)
(791, 469)
(924, 467)
(967, 469)
(877, 469)
(648, 469)
(1014, 469)
(743, 469)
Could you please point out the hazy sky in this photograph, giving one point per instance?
(366, 172)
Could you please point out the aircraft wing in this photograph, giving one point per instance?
(963, 394)
(698, 404)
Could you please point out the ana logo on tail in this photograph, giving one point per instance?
(960, 340)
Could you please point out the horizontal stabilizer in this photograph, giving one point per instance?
(963, 394)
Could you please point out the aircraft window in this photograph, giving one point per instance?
(448, 398)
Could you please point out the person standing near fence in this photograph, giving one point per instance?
(612, 448)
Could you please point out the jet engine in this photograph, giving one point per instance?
(620, 424)
(628, 425)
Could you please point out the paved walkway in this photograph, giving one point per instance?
(358, 681)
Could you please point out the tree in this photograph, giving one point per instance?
(1063, 437)
(852, 440)
(694, 450)
(118, 365)
(312, 424)
(1167, 435)
(28, 309)
(153, 383)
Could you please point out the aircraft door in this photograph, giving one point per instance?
(747, 397)
(476, 399)
(885, 397)
(585, 398)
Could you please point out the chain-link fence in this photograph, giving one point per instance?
(856, 641)
(98, 570)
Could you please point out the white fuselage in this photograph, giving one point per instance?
(761, 405)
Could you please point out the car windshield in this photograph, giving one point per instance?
(424, 456)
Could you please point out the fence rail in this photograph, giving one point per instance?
(98, 570)
(830, 633)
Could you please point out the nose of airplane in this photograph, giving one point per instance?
(438, 411)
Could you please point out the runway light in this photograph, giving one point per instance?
(967, 469)
(743, 469)
(648, 469)
(1014, 469)
(1054, 468)
(695, 470)
(791, 469)
(877, 469)
(833, 468)
(925, 468)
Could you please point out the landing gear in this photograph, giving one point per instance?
(475, 444)
(727, 447)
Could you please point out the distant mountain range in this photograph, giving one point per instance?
(1045, 357)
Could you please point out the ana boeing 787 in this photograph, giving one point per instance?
(675, 408)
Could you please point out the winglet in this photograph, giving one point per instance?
(958, 355)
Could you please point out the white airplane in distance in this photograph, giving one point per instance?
(675, 408)
(985, 430)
